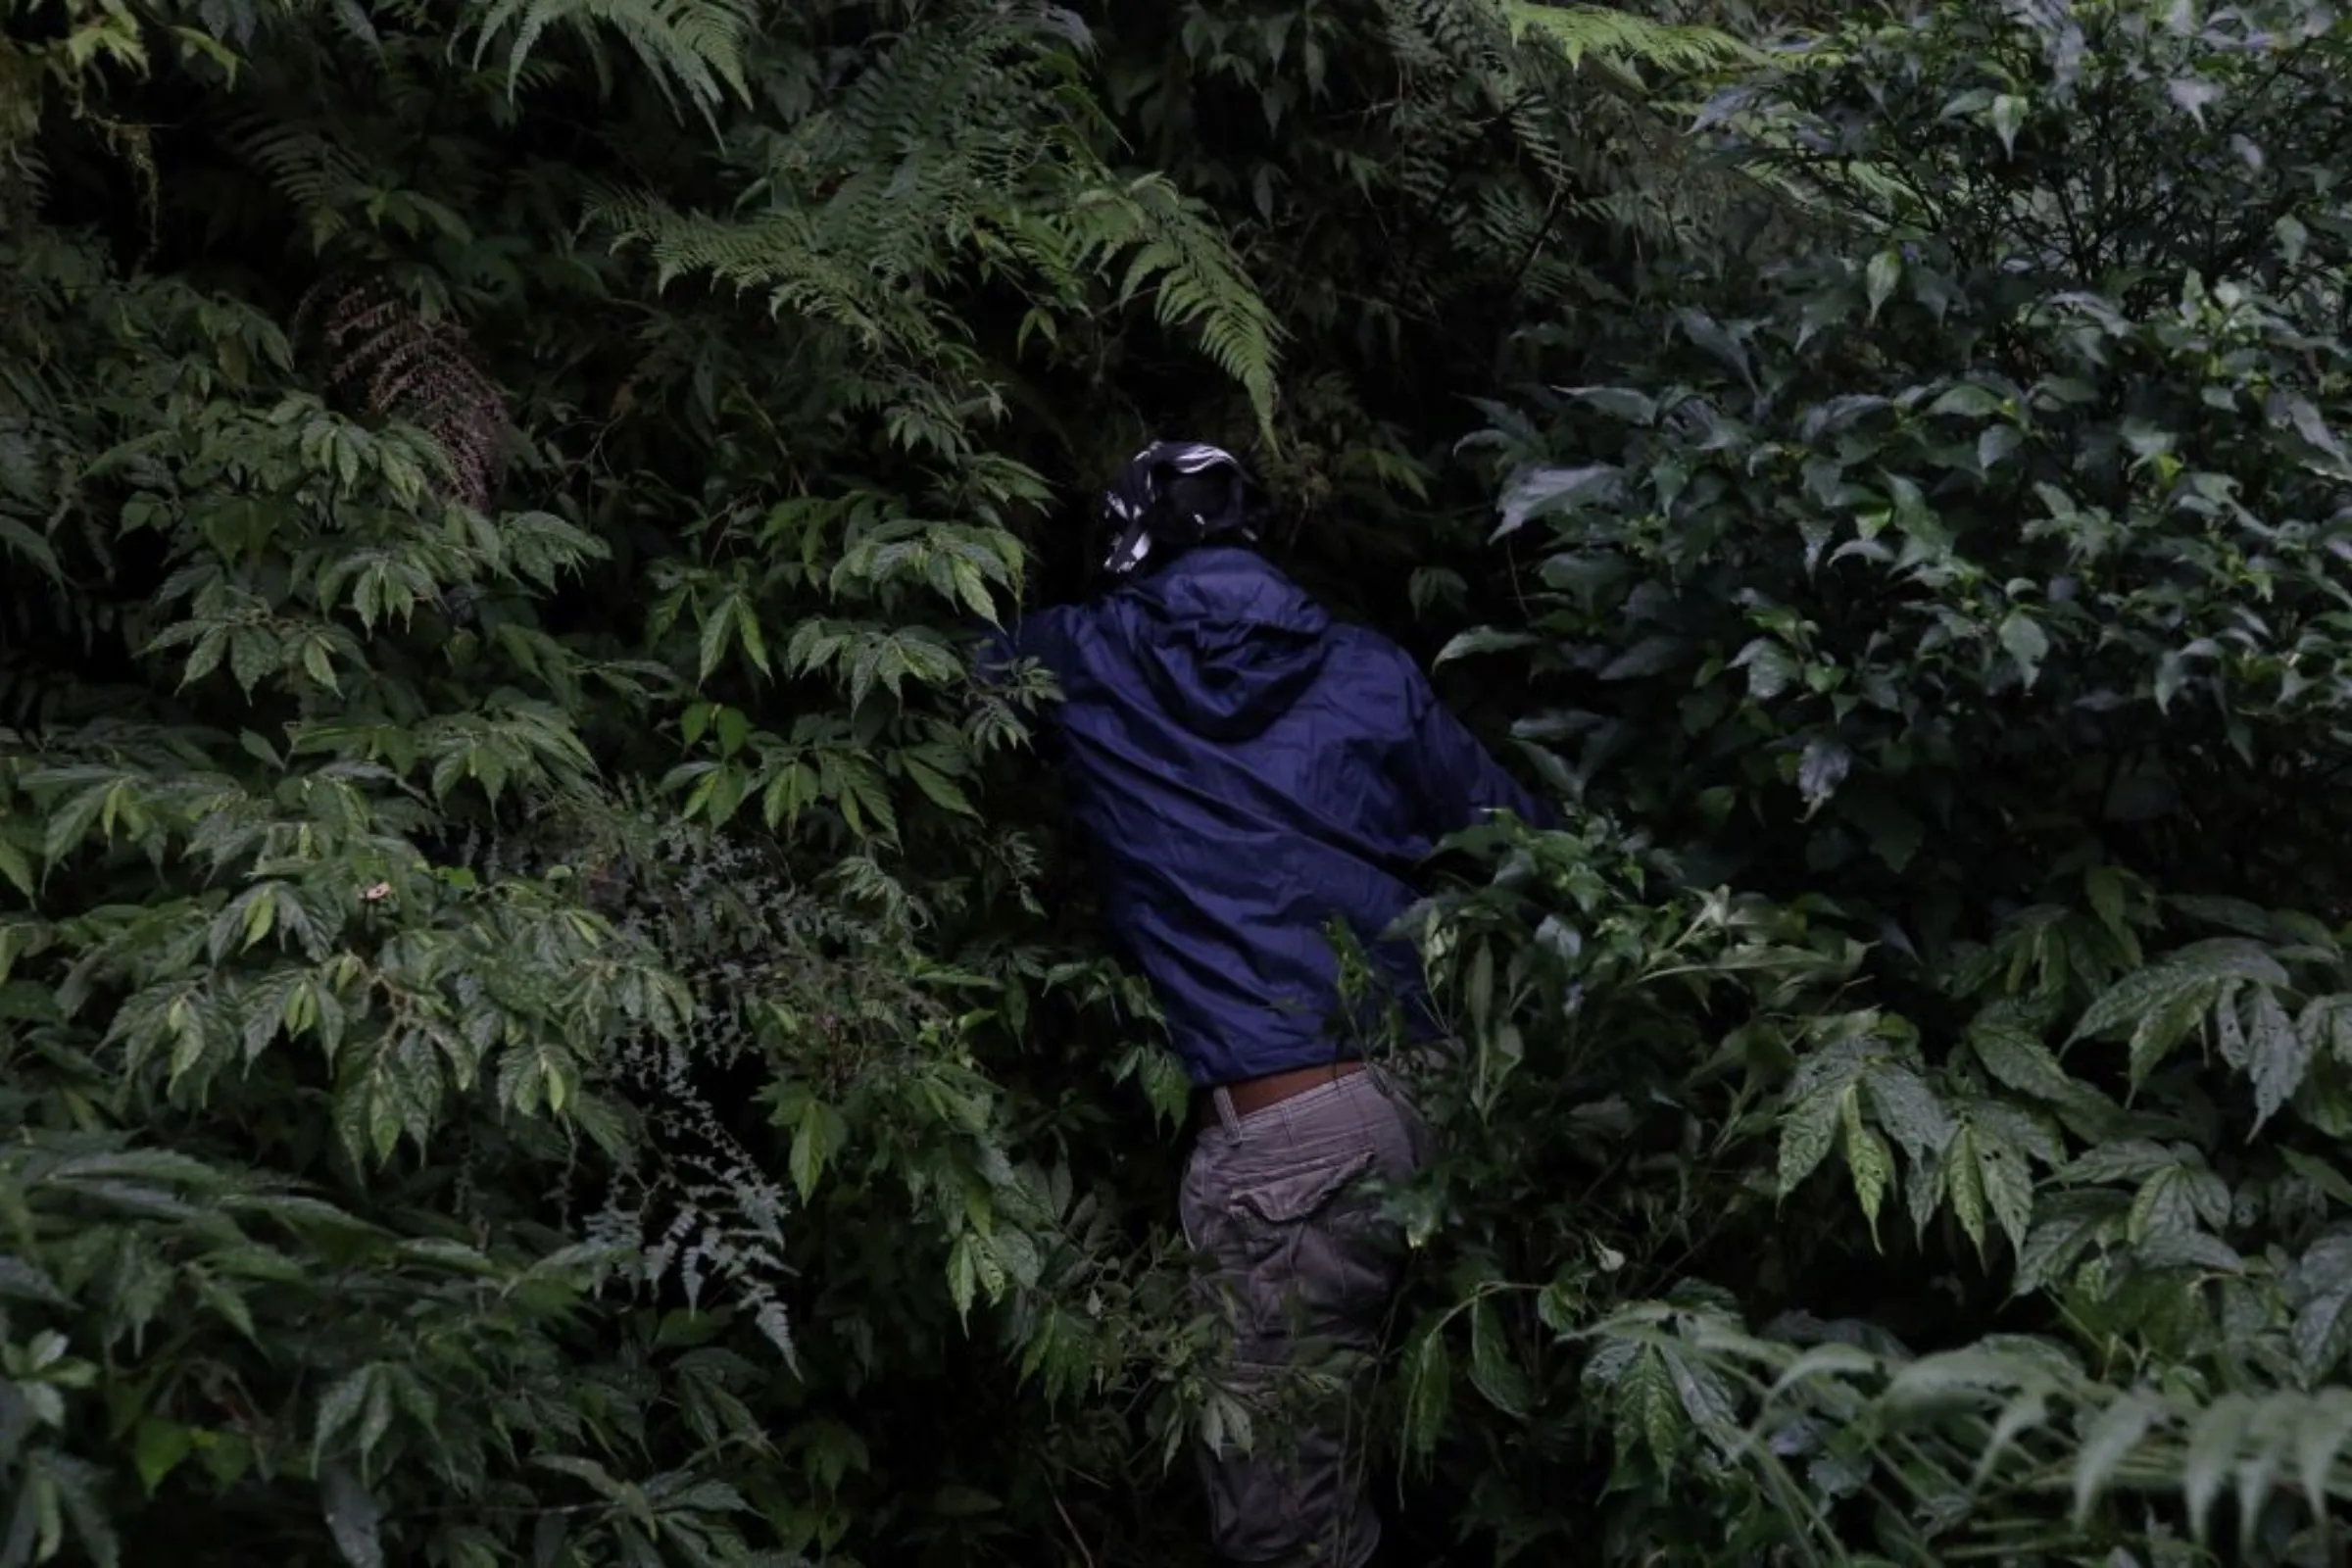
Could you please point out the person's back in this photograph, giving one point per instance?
(1247, 772)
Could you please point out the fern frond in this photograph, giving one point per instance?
(783, 254)
(694, 45)
(1626, 44)
(305, 165)
(1198, 280)
(399, 363)
(958, 141)
(1533, 69)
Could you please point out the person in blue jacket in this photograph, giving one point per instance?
(1247, 772)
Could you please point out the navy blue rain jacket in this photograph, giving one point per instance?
(1246, 769)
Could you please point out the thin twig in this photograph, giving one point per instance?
(1076, 1539)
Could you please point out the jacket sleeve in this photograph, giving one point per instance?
(1457, 780)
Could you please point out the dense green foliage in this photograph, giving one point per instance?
(549, 1021)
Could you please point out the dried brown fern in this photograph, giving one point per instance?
(396, 362)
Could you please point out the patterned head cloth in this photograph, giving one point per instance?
(1173, 493)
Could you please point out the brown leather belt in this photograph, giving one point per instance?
(1254, 1094)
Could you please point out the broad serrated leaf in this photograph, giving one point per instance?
(747, 626)
(2229, 1028)
(2130, 1000)
(2008, 114)
(2068, 1224)
(354, 1516)
(2230, 959)
(2194, 94)
(1967, 400)
(2105, 887)
(1908, 1108)
(1481, 640)
(2132, 1160)
(1997, 444)
(338, 1409)
(2173, 1206)
(817, 1134)
(1964, 1186)
(1648, 1410)
(15, 866)
(1494, 1370)
(1651, 655)
(1886, 270)
(2322, 1280)
(2024, 640)
(1807, 1130)
(26, 1281)
(2319, 1173)
(1618, 402)
(2278, 1053)
(1540, 492)
(1821, 769)
(2166, 1024)
(1428, 1392)
(938, 789)
(1771, 668)
(158, 1447)
(963, 1275)
(1869, 1162)
(1986, 1175)
(717, 627)
(2018, 1060)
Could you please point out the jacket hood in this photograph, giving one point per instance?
(1227, 642)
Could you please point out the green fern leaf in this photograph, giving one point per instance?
(695, 45)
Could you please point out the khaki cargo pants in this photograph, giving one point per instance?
(1302, 1268)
